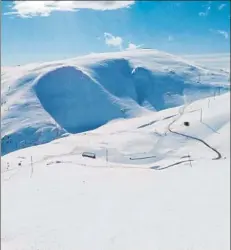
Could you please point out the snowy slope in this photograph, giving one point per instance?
(141, 191)
(217, 61)
(42, 102)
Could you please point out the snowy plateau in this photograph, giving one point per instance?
(159, 127)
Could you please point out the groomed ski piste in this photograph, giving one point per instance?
(159, 127)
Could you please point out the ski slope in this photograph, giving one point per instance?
(45, 101)
(148, 188)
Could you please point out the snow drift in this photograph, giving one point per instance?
(41, 102)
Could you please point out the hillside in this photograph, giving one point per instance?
(151, 185)
(43, 102)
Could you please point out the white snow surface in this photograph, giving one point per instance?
(220, 61)
(57, 199)
(42, 102)
(147, 188)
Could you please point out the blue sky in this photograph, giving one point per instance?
(46, 30)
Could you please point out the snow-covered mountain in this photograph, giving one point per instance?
(216, 61)
(42, 102)
(159, 128)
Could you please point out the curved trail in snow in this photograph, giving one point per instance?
(192, 137)
(171, 165)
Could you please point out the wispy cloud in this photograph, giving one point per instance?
(206, 11)
(28, 9)
(170, 38)
(224, 33)
(132, 46)
(115, 41)
(220, 7)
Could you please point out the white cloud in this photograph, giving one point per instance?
(224, 33)
(132, 46)
(221, 6)
(44, 8)
(115, 41)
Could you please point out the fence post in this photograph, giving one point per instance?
(190, 160)
(107, 156)
(201, 116)
(32, 170)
